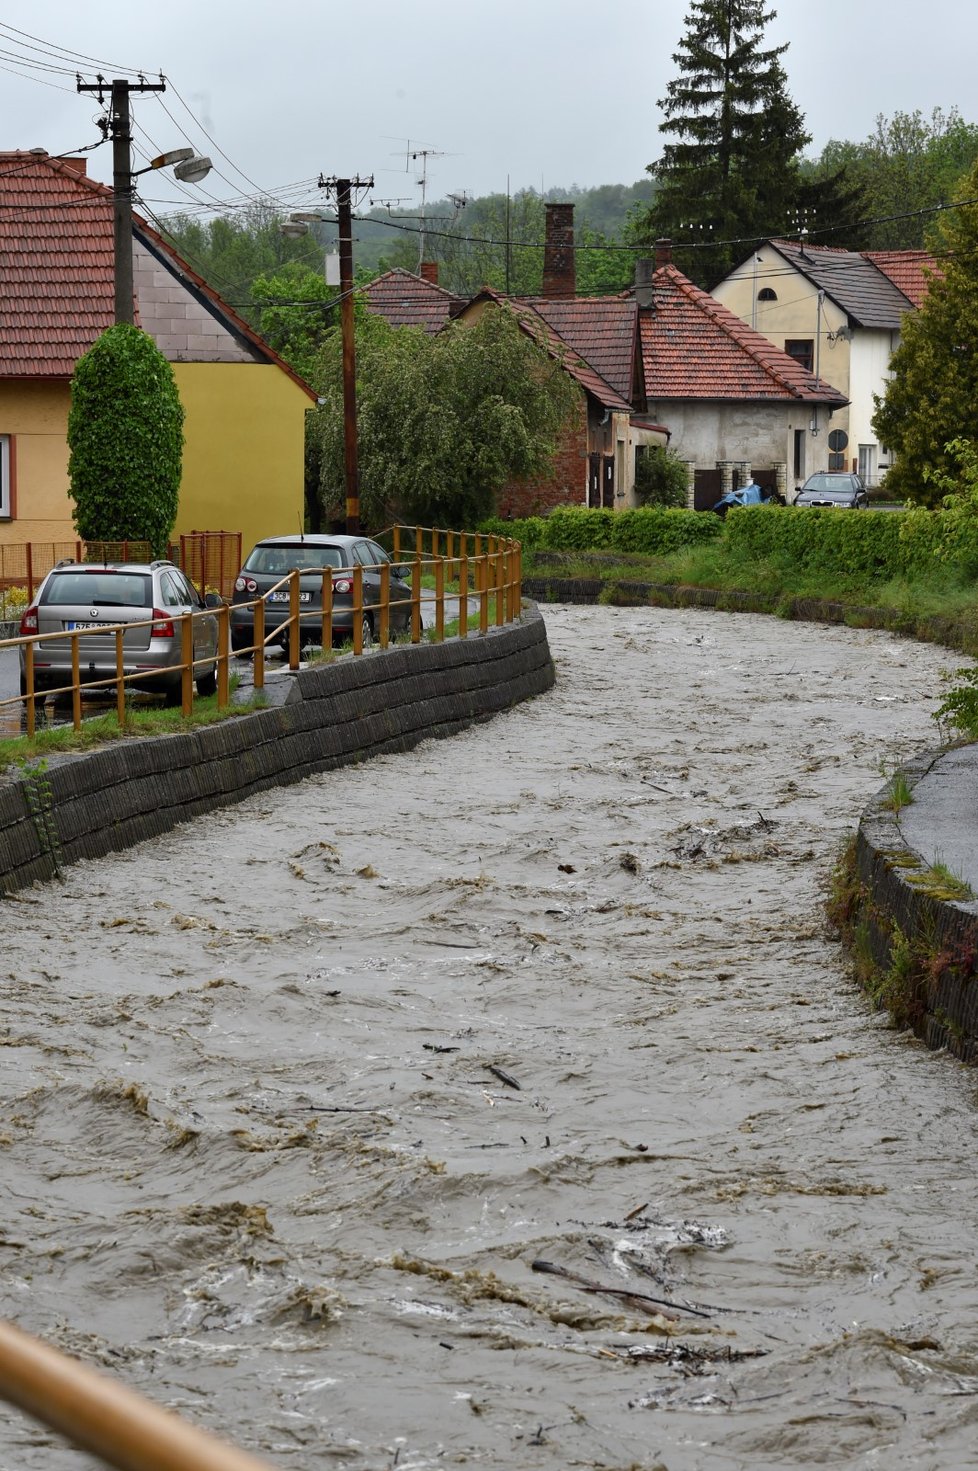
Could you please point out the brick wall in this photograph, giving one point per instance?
(567, 486)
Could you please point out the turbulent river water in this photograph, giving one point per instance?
(508, 1102)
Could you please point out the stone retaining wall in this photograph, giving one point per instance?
(914, 947)
(89, 804)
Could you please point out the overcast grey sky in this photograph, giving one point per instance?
(538, 93)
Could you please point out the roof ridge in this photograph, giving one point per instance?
(754, 343)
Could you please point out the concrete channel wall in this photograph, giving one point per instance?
(914, 944)
(97, 802)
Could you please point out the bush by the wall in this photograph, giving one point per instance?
(651, 529)
(849, 542)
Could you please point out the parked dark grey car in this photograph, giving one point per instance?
(77, 595)
(270, 561)
(833, 488)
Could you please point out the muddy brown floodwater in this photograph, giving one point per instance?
(379, 1120)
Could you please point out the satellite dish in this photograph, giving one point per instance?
(838, 440)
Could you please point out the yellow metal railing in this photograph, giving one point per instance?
(481, 574)
(105, 1418)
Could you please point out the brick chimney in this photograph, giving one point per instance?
(663, 253)
(559, 271)
(429, 271)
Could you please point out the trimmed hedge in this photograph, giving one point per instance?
(652, 529)
(880, 544)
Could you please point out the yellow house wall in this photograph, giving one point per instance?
(793, 315)
(242, 457)
(35, 415)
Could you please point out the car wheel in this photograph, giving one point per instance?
(173, 695)
(207, 684)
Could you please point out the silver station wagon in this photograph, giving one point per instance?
(76, 596)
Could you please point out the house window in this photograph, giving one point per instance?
(6, 488)
(802, 349)
(766, 294)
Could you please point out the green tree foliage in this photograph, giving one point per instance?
(498, 241)
(232, 251)
(907, 164)
(731, 171)
(443, 422)
(661, 478)
(296, 312)
(125, 440)
(931, 397)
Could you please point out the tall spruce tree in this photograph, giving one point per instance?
(731, 171)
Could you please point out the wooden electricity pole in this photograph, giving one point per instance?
(120, 129)
(344, 213)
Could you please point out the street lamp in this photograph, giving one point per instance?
(188, 167)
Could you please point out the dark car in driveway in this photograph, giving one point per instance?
(151, 596)
(834, 488)
(311, 555)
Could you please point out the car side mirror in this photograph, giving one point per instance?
(213, 600)
(401, 570)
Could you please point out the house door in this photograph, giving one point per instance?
(594, 480)
(799, 460)
(608, 480)
(706, 489)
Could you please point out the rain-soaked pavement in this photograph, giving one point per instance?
(507, 1103)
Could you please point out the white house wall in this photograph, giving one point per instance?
(763, 434)
(870, 357)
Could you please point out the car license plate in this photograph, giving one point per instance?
(282, 596)
(74, 623)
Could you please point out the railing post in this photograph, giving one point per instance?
(385, 604)
(258, 654)
(75, 682)
(357, 612)
(223, 656)
(440, 600)
(500, 560)
(483, 580)
(120, 684)
(463, 592)
(416, 600)
(30, 709)
(295, 630)
(327, 637)
(187, 663)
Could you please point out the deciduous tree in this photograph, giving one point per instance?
(930, 400)
(444, 421)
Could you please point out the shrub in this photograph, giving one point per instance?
(125, 436)
(661, 478)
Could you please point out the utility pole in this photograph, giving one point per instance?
(342, 188)
(120, 128)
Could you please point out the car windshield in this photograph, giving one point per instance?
(100, 588)
(277, 560)
(826, 482)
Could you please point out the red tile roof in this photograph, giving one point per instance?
(909, 270)
(57, 269)
(601, 330)
(406, 300)
(536, 323)
(56, 260)
(695, 348)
